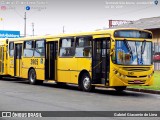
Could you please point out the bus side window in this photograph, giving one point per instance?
(83, 47)
(28, 49)
(67, 47)
(39, 48)
(11, 49)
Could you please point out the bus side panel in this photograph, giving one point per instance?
(70, 68)
(36, 63)
(74, 77)
(65, 66)
(84, 64)
(26, 64)
(40, 73)
(24, 72)
(74, 73)
(11, 66)
(63, 76)
(39, 67)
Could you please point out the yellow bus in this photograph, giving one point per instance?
(114, 58)
(3, 57)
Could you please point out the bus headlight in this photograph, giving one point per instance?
(115, 71)
(123, 76)
(149, 75)
(118, 74)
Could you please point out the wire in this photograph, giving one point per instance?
(129, 12)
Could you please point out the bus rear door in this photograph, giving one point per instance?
(51, 60)
(18, 60)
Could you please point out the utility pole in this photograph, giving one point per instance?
(32, 29)
(63, 29)
(25, 24)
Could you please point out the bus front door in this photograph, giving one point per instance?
(18, 60)
(51, 61)
(100, 60)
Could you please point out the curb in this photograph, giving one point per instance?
(144, 90)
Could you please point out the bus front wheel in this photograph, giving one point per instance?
(86, 83)
(120, 88)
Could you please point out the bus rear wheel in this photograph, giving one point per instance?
(120, 88)
(32, 78)
(86, 83)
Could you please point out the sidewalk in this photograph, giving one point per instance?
(144, 90)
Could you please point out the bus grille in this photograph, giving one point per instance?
(136, 69)
(137, 76)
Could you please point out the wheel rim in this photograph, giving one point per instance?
(32, 77)
(86, 83)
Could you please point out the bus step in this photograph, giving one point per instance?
(103, 81)
(49, 81)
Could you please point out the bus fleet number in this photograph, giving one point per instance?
(34, 61)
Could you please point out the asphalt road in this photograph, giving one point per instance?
(18, 95)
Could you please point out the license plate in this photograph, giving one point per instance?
(137, 81)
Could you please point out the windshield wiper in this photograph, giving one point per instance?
(143, 46)
(128, 48)
(142, 50)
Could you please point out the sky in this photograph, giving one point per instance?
(50, 16)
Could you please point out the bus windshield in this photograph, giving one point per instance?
(133, 52)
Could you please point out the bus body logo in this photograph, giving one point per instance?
(130, 73)
(34, 61)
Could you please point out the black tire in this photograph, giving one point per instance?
(32, 78)
(120, 88)
(1, 77)
(85, 84)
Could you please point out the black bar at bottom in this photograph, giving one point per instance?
(79, 113)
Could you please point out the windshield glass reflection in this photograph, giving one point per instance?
(133, 52)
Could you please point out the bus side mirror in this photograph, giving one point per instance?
(112, 50)
(112, 45)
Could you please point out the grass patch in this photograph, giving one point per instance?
(156, 84)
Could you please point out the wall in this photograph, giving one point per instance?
(156, 46)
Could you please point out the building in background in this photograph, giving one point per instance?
(9, 34)
(151, 24)
(115, 23)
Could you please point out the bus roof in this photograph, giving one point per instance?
(99, 32)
